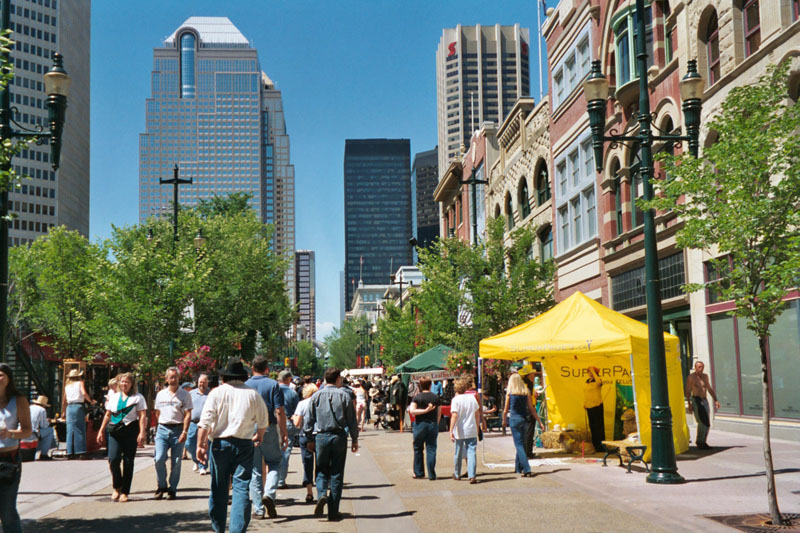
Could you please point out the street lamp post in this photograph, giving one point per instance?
(56, 83)
(399, 279)
(664, 466)
(175, 181)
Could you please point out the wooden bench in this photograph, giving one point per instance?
(634, 450)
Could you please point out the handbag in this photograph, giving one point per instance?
(8, 472)
(480, 434)
(114, 430)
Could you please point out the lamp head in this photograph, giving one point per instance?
(692, 85)
(149, 234)
(56, 81)
(199, 239)
(595, 87)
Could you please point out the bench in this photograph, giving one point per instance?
(634, 450)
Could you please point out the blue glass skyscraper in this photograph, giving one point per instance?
(215, 114)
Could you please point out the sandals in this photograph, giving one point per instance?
(115, 495)
(473, 481)
(527, 474)
(123, 498)
(309, 498)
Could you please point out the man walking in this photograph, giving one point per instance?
(698, 388)
(229, 415)
(199, 396)
(330, 416)
(263, 489)
(173, 408)
(290, 401)
(425, 408)
(42, 431)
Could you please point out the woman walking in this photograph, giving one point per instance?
(361, 403)
(72, 404)
(465, 419)
(515, 414)
(125, 421)
(305, 454)
(15, 425)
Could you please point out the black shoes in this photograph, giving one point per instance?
(334, 517)
(319, 510)
(159, 494)
(704, 447)
(171, 495)
(269, 504)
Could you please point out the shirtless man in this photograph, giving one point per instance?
(697, 389)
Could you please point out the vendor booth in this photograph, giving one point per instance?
(432, 364)
(579, 333)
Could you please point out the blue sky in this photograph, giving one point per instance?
(346, 69)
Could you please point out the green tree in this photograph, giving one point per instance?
(740, 203)
(308, 364)
(344, 341)
(58, 289)
(230, 204)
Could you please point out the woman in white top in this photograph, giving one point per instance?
(15, 424)
(125, 421)
(361, 403)
(307, 456)
(465, 419)
(72, 404)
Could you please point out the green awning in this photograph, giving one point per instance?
(433, 359)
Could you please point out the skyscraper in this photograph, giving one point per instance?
(377, 211)
(480, 73)
(62, 197)
(215, 114)
(424, 178)
(306, 292)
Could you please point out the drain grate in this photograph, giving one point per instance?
(758, 523)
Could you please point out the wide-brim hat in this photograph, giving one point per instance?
(42, 400)
(75, 373)
(234, 370)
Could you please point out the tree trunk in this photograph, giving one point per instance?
(772, 495)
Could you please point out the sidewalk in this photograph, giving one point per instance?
(567, 494)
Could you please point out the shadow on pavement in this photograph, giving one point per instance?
(365, 497)
(693, 454)
(377, 486)
(167, 523)
(740, 476)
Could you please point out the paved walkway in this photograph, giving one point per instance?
(567, 494)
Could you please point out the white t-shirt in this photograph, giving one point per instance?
(233, 410)
(172, 406)
(136, 400)
(302, 407)
(466, 406)
(73, 392)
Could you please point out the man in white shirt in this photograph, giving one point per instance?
(229, 415)
(41, 428)
(173, 408)
(199, 396)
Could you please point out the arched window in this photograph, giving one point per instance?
(617, 195)
(542, 184)
(546, 243)
(637, 186)
(522, 198)
(625, 26)
(188, 42)
(712, 48)
(509, 213)
(669, 33)
(669, 146)
(752, 27)
(497, 211)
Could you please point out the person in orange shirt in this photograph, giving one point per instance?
(593, 403)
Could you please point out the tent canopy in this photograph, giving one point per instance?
(578, 333)
(433, 359)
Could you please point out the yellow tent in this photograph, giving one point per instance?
(578, 333)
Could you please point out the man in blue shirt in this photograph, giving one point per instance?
(199, 396)
(263, 492)
(290, 401)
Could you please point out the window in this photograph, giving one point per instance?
(509, 213)
(546, 244)
(625, 24)
(542, 185)
(712, 49)
(669, 33)
(524, 203)
(752, 27)
(570, 71)
(795, 9)
(576, 201)
(561, 176)
(618, 203)
(637, 187)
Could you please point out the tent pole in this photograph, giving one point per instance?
(635, 401)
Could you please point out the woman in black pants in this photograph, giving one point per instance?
(307, 456)
(123, 409)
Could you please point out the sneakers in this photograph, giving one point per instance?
(203, 471)
(195, 468)
(319, 510)
(159, 494)
(270, 506)
(258, 515)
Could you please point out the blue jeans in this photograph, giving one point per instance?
(230, 458)
(191, 444)
(425, 434)
(167, 441)
(270, 453)
(9, 516)
(76, 429)
(470, 445)
(331, 451)
(519, 427)
(47, 441)
(283, 469)
(308, 461)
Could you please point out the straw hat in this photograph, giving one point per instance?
(75, 373)
(41, 400)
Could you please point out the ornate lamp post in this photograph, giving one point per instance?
(56, 83)
(665, 469)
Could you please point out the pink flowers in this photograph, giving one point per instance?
(195, 362)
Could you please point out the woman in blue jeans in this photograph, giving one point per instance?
(515, 415)
(73, 409)
(15, 425)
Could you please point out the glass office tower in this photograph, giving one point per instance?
(220, 119)
(377, 211)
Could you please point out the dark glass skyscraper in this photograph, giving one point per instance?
(424, 178)
(377, 210)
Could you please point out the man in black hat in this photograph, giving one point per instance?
(330, 416)
(229, 415)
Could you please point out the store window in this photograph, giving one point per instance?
(625, 25)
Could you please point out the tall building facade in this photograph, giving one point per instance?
(51, 198)
(425, 215)
(216, 115)
(480, 73)
(377, 211)
(306, 292)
